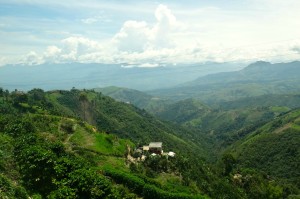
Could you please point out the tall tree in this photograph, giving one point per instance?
(83, 100)
(1, 93)
(6, 94)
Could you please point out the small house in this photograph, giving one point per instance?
(155, 147)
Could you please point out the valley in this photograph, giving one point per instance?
(149, 99)
(75, 141)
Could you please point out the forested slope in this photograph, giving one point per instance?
(48, 150)
(274, 148)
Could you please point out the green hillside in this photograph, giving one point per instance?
(47, 154)
(49, 150)
(125, 120)
(273, 148)
(222, 126)
(183, 111)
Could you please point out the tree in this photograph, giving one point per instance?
(83, 100)
(228, 161)
(6, 94)
(1, 92)
(37, 96)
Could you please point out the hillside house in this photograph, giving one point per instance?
(155, 147)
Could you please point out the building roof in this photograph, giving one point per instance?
(155, 145)
(145, 148)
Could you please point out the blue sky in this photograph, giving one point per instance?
(148, 32)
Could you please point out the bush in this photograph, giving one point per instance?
(8, 190)
(67, 125)
(148, 191)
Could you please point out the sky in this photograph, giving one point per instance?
(148, 33)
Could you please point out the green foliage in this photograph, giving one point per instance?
(68, 125)
(228, 161)
(47, 149)
(127, 121)
(9, 190)
(274, 149)
(6, 153)
(147, 190)
(257, 185)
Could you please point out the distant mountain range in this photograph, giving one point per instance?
(79, 75)
(257, 79)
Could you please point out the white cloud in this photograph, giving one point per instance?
(133, 37)
(52, 53)
(196, 35)
(32, 58)
(95, 19)
(166, 23)
(74, 47)
(138, 36)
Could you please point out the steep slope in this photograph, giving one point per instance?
(257, 79)
(57, 157)
(183, 111)
(273, 148)
(126, 121)
(48, 151)
(223, 126)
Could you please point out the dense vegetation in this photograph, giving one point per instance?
(274, 148)
(50, 149)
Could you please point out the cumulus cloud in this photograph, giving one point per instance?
(52, 51)
(32, 58)
(166, 23)
(137, 42)
(72, 48)
(148, 44)
(138, 36)
(133, 37)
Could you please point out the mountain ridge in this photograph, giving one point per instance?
(281, 78)
(50, 76)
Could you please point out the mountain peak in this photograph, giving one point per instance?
(258, 64)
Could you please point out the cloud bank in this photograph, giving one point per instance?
(167, 39)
